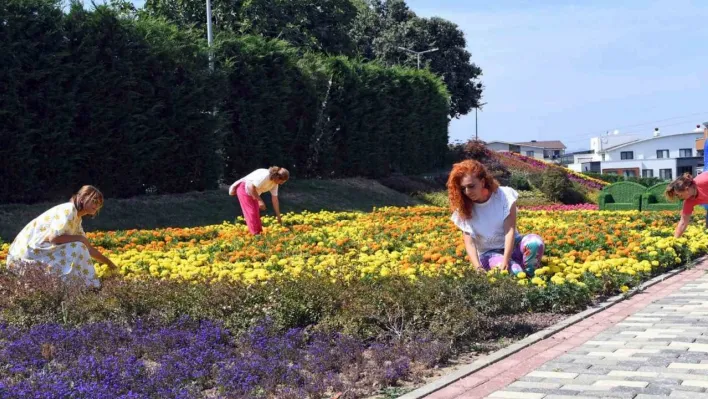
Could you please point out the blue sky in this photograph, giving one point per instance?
(561, 70)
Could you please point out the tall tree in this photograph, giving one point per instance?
(320, 25)
(382, 27)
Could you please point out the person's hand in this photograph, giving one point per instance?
(111, 273)
(280, 220)
(261, 205)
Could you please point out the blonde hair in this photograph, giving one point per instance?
(681, 184)
(276, 172)
(86, 194)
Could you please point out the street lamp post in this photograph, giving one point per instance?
(417, 53)
(210, 36)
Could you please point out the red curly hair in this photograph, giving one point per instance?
(458, 200)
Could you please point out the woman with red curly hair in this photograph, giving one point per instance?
(486, 214)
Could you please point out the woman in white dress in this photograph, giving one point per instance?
(57, 240)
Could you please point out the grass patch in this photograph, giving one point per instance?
(438, 198)
(526, 198)
(213, 207)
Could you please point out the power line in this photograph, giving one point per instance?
(586, 136)
(662, 120)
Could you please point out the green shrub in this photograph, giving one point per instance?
(504, 297)
(519, 181)
(557, 187)
(565, 298)
(535, 180)
(554, 184)
(455, 310)
(532, 198)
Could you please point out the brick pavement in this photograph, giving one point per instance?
(653, 345)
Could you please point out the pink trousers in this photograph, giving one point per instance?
(251, 211)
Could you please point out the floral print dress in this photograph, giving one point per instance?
(70, 260)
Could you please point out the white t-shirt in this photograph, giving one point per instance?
(486, 226)
(260, 178)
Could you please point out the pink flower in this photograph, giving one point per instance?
(561, 207)
(513, 160)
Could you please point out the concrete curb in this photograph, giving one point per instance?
(501, 354)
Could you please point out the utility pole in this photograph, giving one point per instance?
(210, 36)
(417, 53)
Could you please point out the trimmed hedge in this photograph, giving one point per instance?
(131, 106)
(92, 98)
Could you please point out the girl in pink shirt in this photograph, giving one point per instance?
(693, 192)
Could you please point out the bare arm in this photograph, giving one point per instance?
(276, 207)
(682, 225)
(471, 250)
(509, 235)
(100, 257)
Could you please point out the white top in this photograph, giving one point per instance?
(260, 178)
(486, 226)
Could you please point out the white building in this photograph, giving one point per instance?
(660, 156)
(543, 150)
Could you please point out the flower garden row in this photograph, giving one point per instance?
(410, 242)
(521, 162)
(332, 302)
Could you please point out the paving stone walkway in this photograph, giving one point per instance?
(654, 345)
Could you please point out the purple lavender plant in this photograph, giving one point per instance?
(186, 360)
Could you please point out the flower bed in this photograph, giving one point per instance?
(409, 242)
(521, 162)
(332, 302)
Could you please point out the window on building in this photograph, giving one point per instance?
(665, 174)
(529, 153)
(662, 153)
(603, 157)
(647, 172)
(699, 153)
(685, 153)
(684, 169)
(629, 173)
(627, 155)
